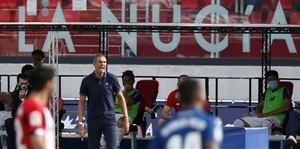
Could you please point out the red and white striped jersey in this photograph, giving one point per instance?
(34, 118)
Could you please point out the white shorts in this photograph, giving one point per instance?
(121, 115)
(258, 122)
(3, 116)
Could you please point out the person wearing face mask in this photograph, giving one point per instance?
(272, 108)
(133, 100)
(172, 101)
(18, 97)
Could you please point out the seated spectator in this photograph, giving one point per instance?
(293, 128)
(172, 101)
(272, 108)
(18, 97)
(38, 57)
(133, 100)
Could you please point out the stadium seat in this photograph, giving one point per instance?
(190, 4)
(149, 90)
(290, 87)
(72, 16)
(5, 16)
(12, 3)
(295, 18)
(53, 3)
(255, 17)
(3, 4)
(286, 4)
(269, 17)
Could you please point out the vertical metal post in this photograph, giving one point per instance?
(8, 83)
(59, 86)
(104, 44)
(207, 88)
(260, 88)
(133, 140)
(217, 97)
(53, 103)
(266, 56)
(250, 94)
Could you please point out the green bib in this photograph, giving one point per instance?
(274, 101)
(134, 108)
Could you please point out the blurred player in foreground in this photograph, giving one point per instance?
(190, 128)
(34, 124)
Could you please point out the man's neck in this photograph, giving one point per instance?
(41, 97)
(99, 75)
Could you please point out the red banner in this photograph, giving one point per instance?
(164, 44)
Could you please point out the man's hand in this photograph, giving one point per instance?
(127, 87)
(260, 115)
(81, 131)
(22, 94)
(126, 124)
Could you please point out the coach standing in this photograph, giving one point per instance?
(100, 87)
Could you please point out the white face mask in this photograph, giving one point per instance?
(273, 85)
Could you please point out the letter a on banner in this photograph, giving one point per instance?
(279, 18)
(59, 17)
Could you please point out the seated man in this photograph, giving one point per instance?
(172, 101)
(191, 127)
(133, 100)
(272, 108)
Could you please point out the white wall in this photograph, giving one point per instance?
(228, 89)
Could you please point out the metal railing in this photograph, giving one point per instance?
(207, 81)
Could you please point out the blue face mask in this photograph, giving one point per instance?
(273, 85)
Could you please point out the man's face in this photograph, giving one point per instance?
(100, 64)
(37, 60)
(272, 78)
(127, 81)
(23, 82)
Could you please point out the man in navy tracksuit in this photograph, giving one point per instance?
(100, 87)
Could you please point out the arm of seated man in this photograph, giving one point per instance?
(165, 114)
(132, 99)
(259, 108)
(286, 107)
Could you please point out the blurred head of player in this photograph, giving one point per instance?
(190, 94)
(42, 81)
(100, 64)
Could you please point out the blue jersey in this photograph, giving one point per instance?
(188, 129)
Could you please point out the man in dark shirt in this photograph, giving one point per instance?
(18, 96)
(100, 87)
